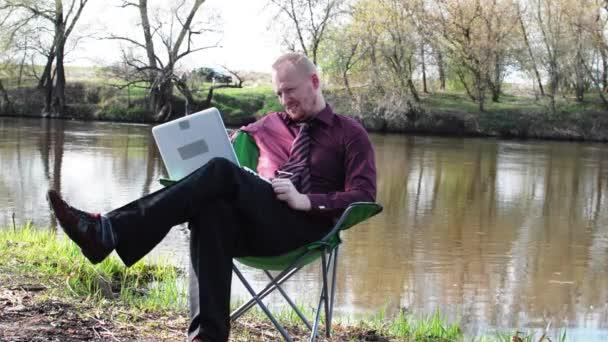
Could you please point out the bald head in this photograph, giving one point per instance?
(297, 85)
(299, 62)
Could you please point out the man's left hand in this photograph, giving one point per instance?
(287, 192)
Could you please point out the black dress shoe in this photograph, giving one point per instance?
(82, 227)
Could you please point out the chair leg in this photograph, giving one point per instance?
(323, 297)
(290, 302)
(333, 285)
(281, 278)
(263, 306)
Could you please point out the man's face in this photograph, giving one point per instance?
(296, 91)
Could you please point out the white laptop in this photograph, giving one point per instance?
(187, 143)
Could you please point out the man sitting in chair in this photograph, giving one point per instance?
(319, 163)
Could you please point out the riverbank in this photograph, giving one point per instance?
(49, 291)
(438, 113)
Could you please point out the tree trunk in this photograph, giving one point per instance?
(412, 89)
(481, 91)
(48, 68)
(182, 86)
(5, 103)
(48, 95)
(160, 95)
(465, 85)
(527, 42)
(440, 67)
(553, 84)
(347, 84)
(374, 59)
(604, 70)
(59, 93)
(597, 84)
(22, 66)
(580, 78)
(145, 23)
(209, 97)
(496, 83)
(422, 59)
(410, 83)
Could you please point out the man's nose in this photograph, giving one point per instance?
(284, 98)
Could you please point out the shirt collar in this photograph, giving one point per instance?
(325, 116)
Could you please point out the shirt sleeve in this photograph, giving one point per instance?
(360, 177)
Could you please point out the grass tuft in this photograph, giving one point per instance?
(42, 253)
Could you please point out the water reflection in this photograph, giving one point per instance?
(498, 234)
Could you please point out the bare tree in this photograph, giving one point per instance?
(160, 72)
(460, 23)
(592, 29)
(439, 61)
(62, 24)
(549, 19)
(240, 75)
(598, 28)
(310, 20)
(400, 47)
(342, 51)
(533, 63)
(477, 37)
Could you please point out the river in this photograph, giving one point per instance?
(497, 234)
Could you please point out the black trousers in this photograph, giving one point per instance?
(231, 213)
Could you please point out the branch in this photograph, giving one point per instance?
(7, 16)
(73, 23)
(47, 14)
(292, 15)
(67, 16)
(196, 50)
(130, 40)
(126, 4)
(129, 83)
(186, 27)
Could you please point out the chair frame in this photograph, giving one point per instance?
(329, 264)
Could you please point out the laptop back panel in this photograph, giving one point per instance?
(187, 143)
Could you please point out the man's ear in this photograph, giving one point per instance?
(316, 83)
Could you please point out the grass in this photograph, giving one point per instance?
(45, 258)
(459, 102)
(40, 253)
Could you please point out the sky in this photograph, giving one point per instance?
(247, 43)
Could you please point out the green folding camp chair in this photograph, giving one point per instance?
(290, 263)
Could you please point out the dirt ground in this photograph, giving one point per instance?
(28, 313)
(25, 318)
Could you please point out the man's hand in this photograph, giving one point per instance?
(286, 192)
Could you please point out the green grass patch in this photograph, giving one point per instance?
(245, 103)
(44, 257)
(459, 102)
(54, 259)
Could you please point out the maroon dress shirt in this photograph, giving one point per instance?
(342, 166)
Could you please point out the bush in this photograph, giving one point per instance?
(136, 113)
(75, 92)
(92, 94)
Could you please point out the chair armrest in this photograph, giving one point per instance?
(354, 214)
(166, 181)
